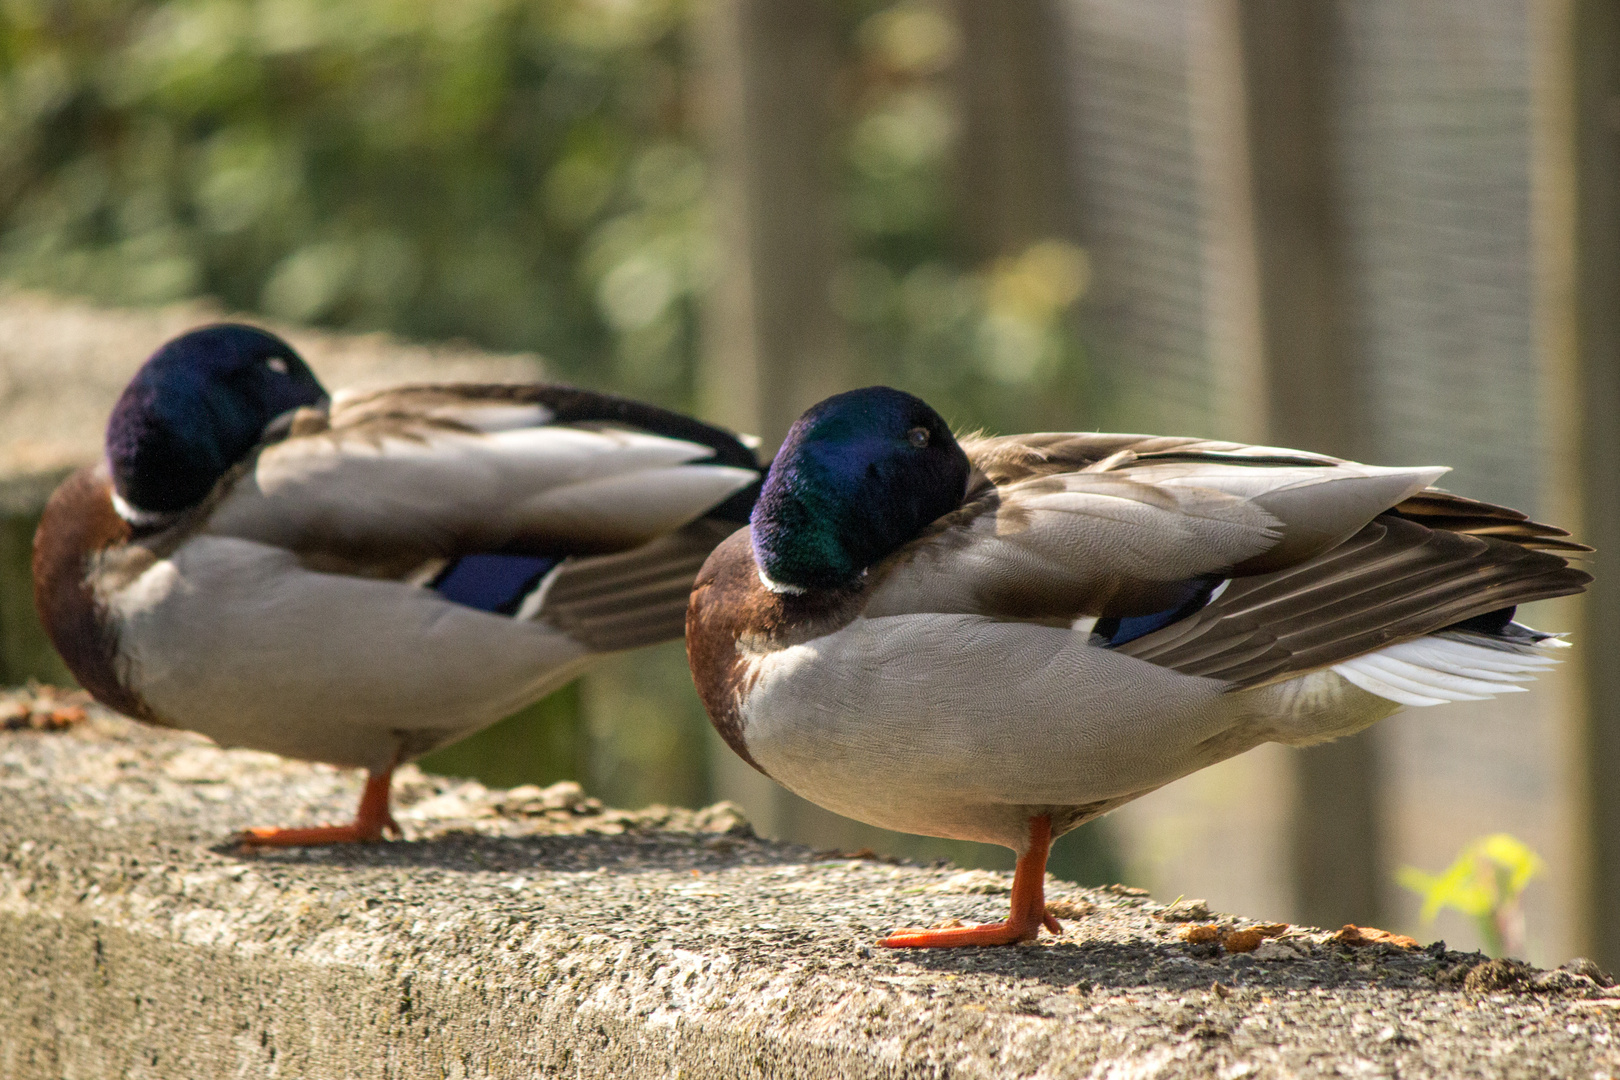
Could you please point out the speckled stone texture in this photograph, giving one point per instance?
(532, 933)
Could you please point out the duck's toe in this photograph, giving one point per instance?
(370, 822)
(353, 833)
(949, 937)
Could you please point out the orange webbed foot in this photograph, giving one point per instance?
(1023, 923)
(951, 937)
(272, 836)
(948, 936)
(368, 826)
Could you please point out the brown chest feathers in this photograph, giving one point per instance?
(80, 522)
(732, 614)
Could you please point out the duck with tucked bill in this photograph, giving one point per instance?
(999, 639)
(361, 578)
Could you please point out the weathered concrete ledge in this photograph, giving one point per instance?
(532, 933)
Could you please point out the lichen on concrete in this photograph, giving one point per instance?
(535, 933)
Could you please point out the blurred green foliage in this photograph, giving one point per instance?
(541, 744)
(990, 345)
(523, 174)
(513, 172)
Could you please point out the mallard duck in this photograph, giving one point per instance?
(361, 578)
(999, 639)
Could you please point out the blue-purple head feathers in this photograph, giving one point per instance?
(199, 405)
(857, 477)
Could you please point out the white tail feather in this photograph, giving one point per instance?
(1437, 670)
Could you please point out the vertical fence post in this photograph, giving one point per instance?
(1310, 374)
(1576, 183)
(771, 337)
(1012, 182)
(1578, 170)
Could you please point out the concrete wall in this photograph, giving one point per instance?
(533, 933)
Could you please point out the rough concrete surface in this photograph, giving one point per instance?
(532, 933)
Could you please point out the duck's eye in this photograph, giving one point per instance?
(277, 365)
(918, 437)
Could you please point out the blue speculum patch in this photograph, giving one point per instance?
(1117, 631)
(493, 583)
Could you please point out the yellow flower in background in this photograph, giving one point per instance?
(1484, 883)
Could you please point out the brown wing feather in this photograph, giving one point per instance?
(639, 597)
(1432, 560)
(1456, 513)
(1394, 580)
(1009, 459)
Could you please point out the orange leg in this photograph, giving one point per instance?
(1023, 923)
(367, 827)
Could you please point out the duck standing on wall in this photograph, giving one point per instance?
(362, 578)
(1000, 639)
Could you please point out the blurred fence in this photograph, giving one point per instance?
(1324, 224)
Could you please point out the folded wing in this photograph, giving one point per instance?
(1064, 527)
(435, 472)
(1394, 581)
